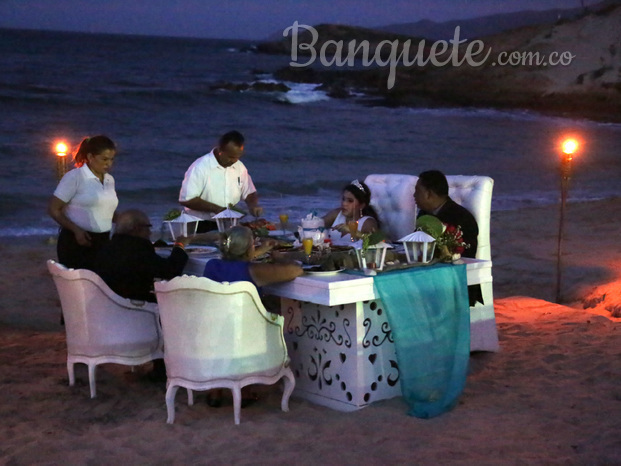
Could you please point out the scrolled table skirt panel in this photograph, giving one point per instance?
(342, 356)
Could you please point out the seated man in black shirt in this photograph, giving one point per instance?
(432, 198)
(128, 263)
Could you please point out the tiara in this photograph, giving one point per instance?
(358, 185)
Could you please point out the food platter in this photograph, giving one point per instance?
(193, 249)
(281, 233)
(324, 273)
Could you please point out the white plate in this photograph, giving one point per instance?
(279, 232)
(324, 272)
(200, 249)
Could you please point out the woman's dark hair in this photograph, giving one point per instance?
(95, 145)
(363, 194)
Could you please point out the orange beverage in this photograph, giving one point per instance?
(284, 218)
(308, 245)
(353, 228)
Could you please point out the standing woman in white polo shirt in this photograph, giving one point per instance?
(84, 203)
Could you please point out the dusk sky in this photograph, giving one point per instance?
(243, 19)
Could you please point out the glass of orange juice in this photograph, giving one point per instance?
(353, 228)
(284, 218)
(308, 246)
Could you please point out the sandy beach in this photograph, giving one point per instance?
(552, 395)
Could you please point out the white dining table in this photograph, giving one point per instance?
(338, 336)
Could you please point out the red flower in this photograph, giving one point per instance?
(452, 238)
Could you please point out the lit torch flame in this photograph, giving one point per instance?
(61, 149)
(569, 147)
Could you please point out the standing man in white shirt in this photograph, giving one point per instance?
(218, 179)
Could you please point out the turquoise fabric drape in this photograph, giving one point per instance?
(427, 309)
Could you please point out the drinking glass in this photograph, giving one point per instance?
(308, 246)
(284, 218)
(353, 228)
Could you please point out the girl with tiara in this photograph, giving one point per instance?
(354, 217)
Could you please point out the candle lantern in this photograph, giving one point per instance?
(419, 247)
(373, 257)
(226, 219)
(184, 225)
(61, 159)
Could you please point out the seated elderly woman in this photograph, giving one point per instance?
(237, 247)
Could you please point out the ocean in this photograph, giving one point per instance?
(155, 97)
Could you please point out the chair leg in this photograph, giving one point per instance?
(236, 390)
(71, 372)
(289, 386)
(91, 379)
(171, 392)
(190, 397)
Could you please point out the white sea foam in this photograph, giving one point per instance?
(303, 93)
(27, 231)
(299, 93)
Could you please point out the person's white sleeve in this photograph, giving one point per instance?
(68, 186)
(247, 185)
(193, 184)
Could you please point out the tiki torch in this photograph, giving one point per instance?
(568, 148)
(61, 159)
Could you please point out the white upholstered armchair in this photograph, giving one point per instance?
(393, 198)
(219, 335)
(101, 326)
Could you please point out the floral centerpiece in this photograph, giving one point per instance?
(450, 243)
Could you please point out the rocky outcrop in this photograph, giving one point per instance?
(587, 83)
(258, 86)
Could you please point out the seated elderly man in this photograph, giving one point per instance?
(129, 263)
(432, 198)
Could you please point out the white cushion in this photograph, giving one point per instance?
(475, 194)
(392, 196)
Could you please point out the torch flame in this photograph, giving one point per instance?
(570, 146)
(61, 149)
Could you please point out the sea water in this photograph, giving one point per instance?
(157, 98)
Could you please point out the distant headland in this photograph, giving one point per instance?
(570, 68)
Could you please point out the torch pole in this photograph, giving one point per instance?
(61, 160)
(61, 169)
(61, 165)
(565, 175)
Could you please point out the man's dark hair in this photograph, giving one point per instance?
(232, 136)
(434, 181)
